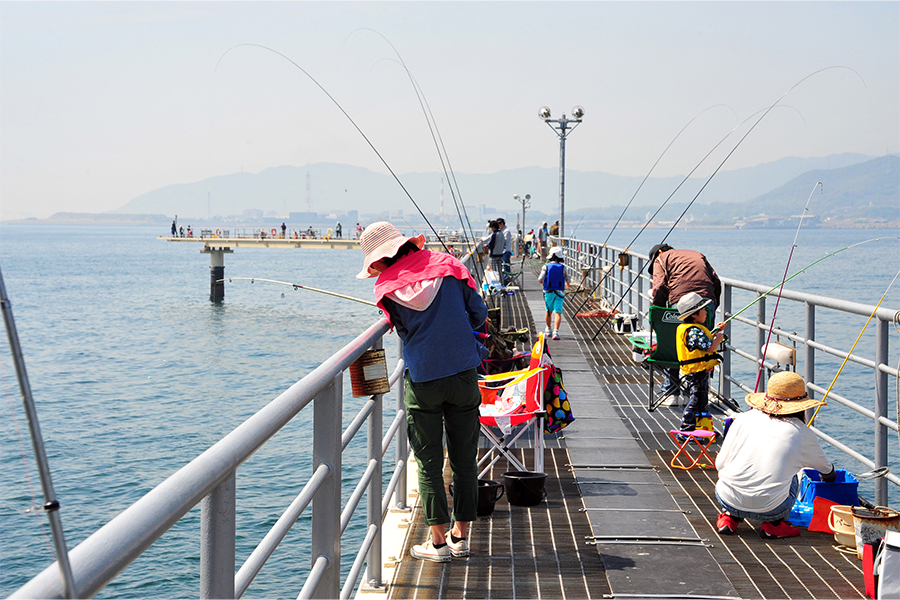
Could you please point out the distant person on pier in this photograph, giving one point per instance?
(676, 273)
(543, 234)
(507, 249)
(495, 246)
(337, 230)
(554, 229)
(359, 231)
(432, 301)
(174, 229)
(283, 231)
(181, 231)
(761, 455)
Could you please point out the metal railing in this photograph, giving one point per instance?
(626, 286)
(210, 480)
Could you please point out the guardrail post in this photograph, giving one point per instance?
(725, 374)
(809, 353)
(374, 493)
(217, 528)
(402, 439)
(326, 505)
(630, 289)
(761, 343)
(640, 292)
(881, 432)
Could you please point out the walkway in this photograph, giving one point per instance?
(618, 521)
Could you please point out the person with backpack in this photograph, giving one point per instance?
(555, 279)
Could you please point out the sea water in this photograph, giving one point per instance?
(135, 373)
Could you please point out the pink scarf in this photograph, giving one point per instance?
(419, 266)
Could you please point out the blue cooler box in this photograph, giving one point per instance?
(843, 490)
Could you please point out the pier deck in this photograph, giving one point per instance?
(618, 521)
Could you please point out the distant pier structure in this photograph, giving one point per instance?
(217, 243)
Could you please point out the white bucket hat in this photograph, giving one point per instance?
(554, 252)
(382, 240)
(689, 304)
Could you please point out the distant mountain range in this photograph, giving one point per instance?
(854, 184)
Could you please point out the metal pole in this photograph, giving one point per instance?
(809, 353)
(724, 381)
(373, 494)
(562, 176)
(326, 517)
(881, 432)
(761, 341)
(217, 531)
(51, 505)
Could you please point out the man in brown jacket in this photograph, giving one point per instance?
(675, 273)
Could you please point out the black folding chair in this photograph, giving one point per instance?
(664, 323)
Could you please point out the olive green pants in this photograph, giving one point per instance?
(446, 405)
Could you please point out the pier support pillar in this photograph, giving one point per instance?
(216, 272)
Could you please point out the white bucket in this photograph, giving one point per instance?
(637, 355)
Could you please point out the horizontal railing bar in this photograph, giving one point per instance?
(854, 406)
(853, 453)
(315, 576)
(358, 420)
(356, 569)
(254, 563)
(356, 496)
(392, 485)
(99, 558)
(392, 430)
(398, 372)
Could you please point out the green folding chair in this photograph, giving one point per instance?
(664, 323)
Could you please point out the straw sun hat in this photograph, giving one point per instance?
(382, 240)
(785, 394)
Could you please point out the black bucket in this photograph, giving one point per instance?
(524, 488)
(489, 491)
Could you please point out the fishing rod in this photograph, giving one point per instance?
(349, 118)
(297, 286)
(869, 320)
(781, 287)
(803, 270)
(765, 113)
(436, 137)
(51, 504)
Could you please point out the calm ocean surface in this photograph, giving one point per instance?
(135, 373)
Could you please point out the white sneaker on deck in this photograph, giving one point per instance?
(427, 551)
(547, 332)
(458, 549)
(555, 334)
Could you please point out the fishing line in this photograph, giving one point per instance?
(349, 118)
(297, 286)
(718, 168)
(436, 137)
(762, 363)
(853, 347)
(803, 270)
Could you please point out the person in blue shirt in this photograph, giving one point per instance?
(555, 279)
(433, 302)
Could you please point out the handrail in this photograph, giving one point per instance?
(98, 559)
(625, 289)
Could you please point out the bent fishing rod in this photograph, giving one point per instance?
(781, 287)
(349, 118)
(715, 172)
(297, 286)
(852, 348)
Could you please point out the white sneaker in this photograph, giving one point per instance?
(427, 551)
(672, 401)
(555, 334)
(547, 332)
(458, 549)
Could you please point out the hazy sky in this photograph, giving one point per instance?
(101, 102)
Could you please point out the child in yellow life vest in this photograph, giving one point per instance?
(697, 345)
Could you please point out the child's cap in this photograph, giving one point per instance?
(555, 252)
(689, 304)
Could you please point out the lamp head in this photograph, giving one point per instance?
(528, 196)
(578, 112)
(544, 113)
(515, 196)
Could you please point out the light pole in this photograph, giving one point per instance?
(562, 126)
(526, 203)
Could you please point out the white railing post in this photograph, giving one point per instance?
(881, 404)
(402, 439)
(217, 529)
(326, 506)
(761, 343)
(809, 353)
(725, 375)
(373, 496)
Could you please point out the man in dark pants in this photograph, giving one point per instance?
(676, 273)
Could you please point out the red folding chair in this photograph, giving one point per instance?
(513, 403)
